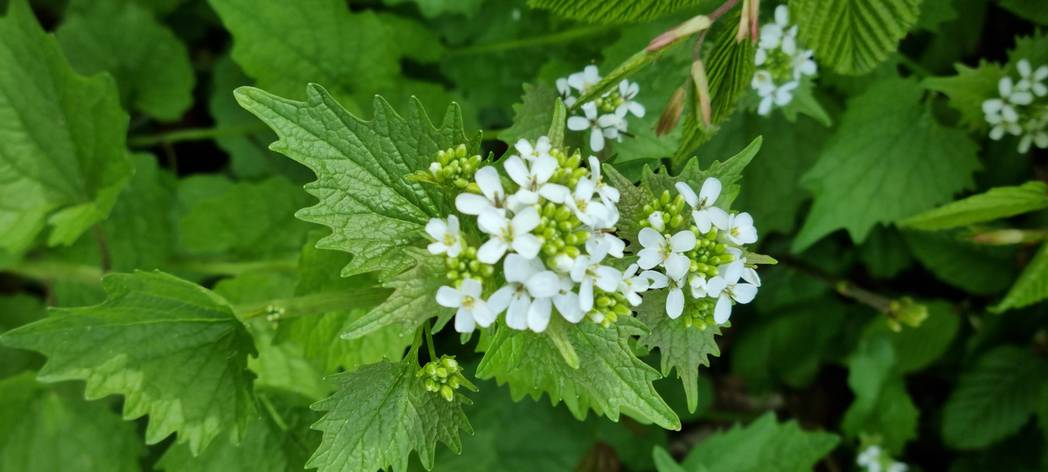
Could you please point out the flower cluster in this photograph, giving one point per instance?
(444, 376)
(873, 459)
(551, 232)
(605, 117)
(780, 62)
(692, 246)
(1021, 110)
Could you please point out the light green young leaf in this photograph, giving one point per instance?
(373, 210)
(1032, 285)
(996, 203)
(874, 170)
(150, 64)
(412, 301)
(920, 347)
(853, 36)
(618, 12)
(680, 347)
(174, 350)
(53, 429)
(63, 158)
(610, 380)
(379, 415)
(1033, 10)
(994, 399)
(968, 90)
(765, 443)
(532, 117)
(979, 269)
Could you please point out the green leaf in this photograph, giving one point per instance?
(664, 462)
(968, 90)
(1033, 10)
(979, 269)
(17, 310)
(532, 117)
(610, 379)
(918, 348)
(996, 203)
(993, 399)
(52, 429)
(412, 301)
(62, 154)
(276, 441)
(618, 12)
(885, 253)
(1032, 285)
(213, 221)
(361, 167)
(379, 415)
(434, 8)
(172, 348)
(874, 170)
(680, 347)
(853, 36)
(882, 406)
(151, 66)
(140, 231)
(762, 445)
(934, 14)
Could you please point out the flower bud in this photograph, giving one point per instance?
(692, 26)
(671, 114)
(702, 91)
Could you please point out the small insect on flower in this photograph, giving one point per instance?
(781, 63)
(1021, 109)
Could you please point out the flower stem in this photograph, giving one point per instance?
(191, 134)
(427, 329)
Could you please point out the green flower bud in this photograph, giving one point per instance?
(447, 392)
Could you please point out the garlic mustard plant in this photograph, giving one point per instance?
(606, 117)
(1021, 109)
(781, 62)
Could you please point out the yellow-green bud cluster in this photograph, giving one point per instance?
(569, 169)
(609, 102)
(779, 65)
(699, 313)
(454, 168)
(466, 266)
(708, 254)
(905, 311)
(559, 230)
(443, 376)
(675, 213)
(608, 307)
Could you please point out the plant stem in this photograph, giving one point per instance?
(915, 67)
(289, 264)
(191, 134)
(428, 330)
(546, 39)
(314, 303)
(49, 269)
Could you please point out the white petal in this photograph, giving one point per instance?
(597, 252)
(1004, 86)
(538, 315)
(656, 221)
(1024, 67)
(637, 109)
(744, 293)
(436, 228)
(702, 220)
(555, 193)
(688, 194)
(544, 284)
(491, 251)
(590, 109)
(578, 123)
(711, 190)
(492, 222)
(523, 146)
(782, 15)
(568, 306)
(437, 248)
(521, 200)
(543, 168)
(578, 270)
(649, 258)
(615, 246)
(464, 321)
(499, 301)
(482, 314)
(677, 266)
(448, 297)
(586, 295)
(698, 287)
(649, 238)
(608, 278)
(526, 220)
(716, 285)
(517, 170)
(750, 275)
(517, 317)
(718, 217)
(490, 185)
(526, 245)
(471, 287)
(596, 140)
(675, 303)
(722, 311)
(471, 203)
(657, 279)
(518, 268)
(765, 107)
(683, 241)
(609, 120)
(992, 106)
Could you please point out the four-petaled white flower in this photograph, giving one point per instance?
(589, 211)
(446, 236)
(583, 81)
(588, 272)
(706, 215)
(595, 123)
(508, 233)
(633, 283)
(726, 287)
(608, 194)
(780, 62)
(666, 252)
(740, 229)
(530, 152)
(770, 93)
(527, 293)
(1002, 118)
(472, 309)
(492, 195)
(628, 91)
(533, 181)
(1032, 80)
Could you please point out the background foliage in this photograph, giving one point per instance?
(175, 295)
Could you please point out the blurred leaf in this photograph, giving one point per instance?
(934, 14)
(150, 64)
(17, 310)
(763, 443)
(140, 230)
(532, 117)
(884, 253)
(979, 269)
(433, 8)
(874, 170)
(620, 11)
(996, 203)
(1031, 286)
(968, 90)
(853, 36)
(881, 406)
(1033, 10)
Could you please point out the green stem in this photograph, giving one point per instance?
(49, 269)
(289, 264)
(45, 270)
(428, 330)
(915, 67)
(192, 134)
(314, 303)
(546, 39)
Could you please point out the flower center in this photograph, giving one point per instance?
(468, 301)
(449, 239)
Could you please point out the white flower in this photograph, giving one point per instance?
(658, 250)
(508, 233)
(773, 34)
(446, 236)
(1032, 80)
(589, 212)
(614, 245)
(539, 150)
(699, 287)
(563, 88)
(493, 196)
(749, 274)
(583, 81)
(804, 64)
(567, 301)
(1035, 133)
(740, 229)
(870, 458)
(634, 284)
(779, 96)
(628, 91)
(675, 297)
(529, 287)
(1003, 118)
(596, 124)
(472, 310)
(897, 467)
(657, 221)
(727, 288)
(608, 194)
(588, 272)
(704, 213)
(533, 181)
